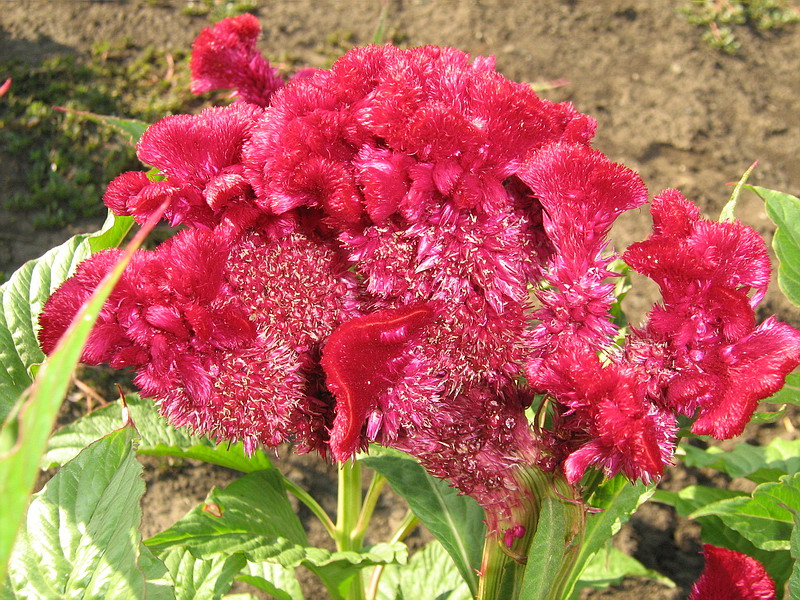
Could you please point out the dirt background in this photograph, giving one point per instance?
(680, 113)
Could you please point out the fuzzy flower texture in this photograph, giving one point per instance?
(409, 249)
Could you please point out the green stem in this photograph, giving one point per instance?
(573, 514)
(591, 483)
(407, 525)
(347, 516)
(312, 504)
(500, 573)
(368, 507)
(503, 569)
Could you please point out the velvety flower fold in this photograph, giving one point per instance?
(224, 335)
(711, 276)
(199, 170)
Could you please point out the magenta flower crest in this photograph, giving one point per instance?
(219, 337)
(225, 57)
(199, 160)
(381, 111)
(386, 250)
(711, 276)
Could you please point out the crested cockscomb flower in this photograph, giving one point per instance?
(731, 575)
(714, 361)
(223, 334)
(581, 193)
(427, 120)
(381, 251)
(198, 158)
(225, 56)
(606, 419)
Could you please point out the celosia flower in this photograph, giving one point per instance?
(360, 264)
(427, 119)
(225, 57)
(223, 334)
(581, 193)
(198, 157)
(607, 419)
(731, 575)
(711, 358)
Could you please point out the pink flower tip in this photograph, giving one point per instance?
(225, 56)
(513, 533)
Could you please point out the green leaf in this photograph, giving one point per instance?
(546, 551)
(789, 393)
(455, 520)
(388, 584)
(251, 515)
(758, 463)
(201, 579)
(131, 129)
(693, 497)
(158, 438)
(610, 566)
(23, 436)
(764, 518)
(794, 581)
(784, 210)
(379, 554)
(622, 285)
(279, 582)
(431, 573)
(618, 498)
(727, 213)
(81, 539)
(717, 533)
(336, 568)
(377, 37)
(768, 416)
(23, 296)
(159, 584)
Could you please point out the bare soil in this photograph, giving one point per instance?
(680, 113)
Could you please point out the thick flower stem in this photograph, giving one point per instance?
(349, 509)
(539, 564)
(501, 574)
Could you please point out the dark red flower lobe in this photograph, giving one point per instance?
(362, 359)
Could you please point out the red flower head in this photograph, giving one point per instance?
(198, 157)
(362, 263)
(224, 335)
(607, 420)
(714, 360)
(581, 193)
(225, 57)
(731, 575)
(425, 121)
